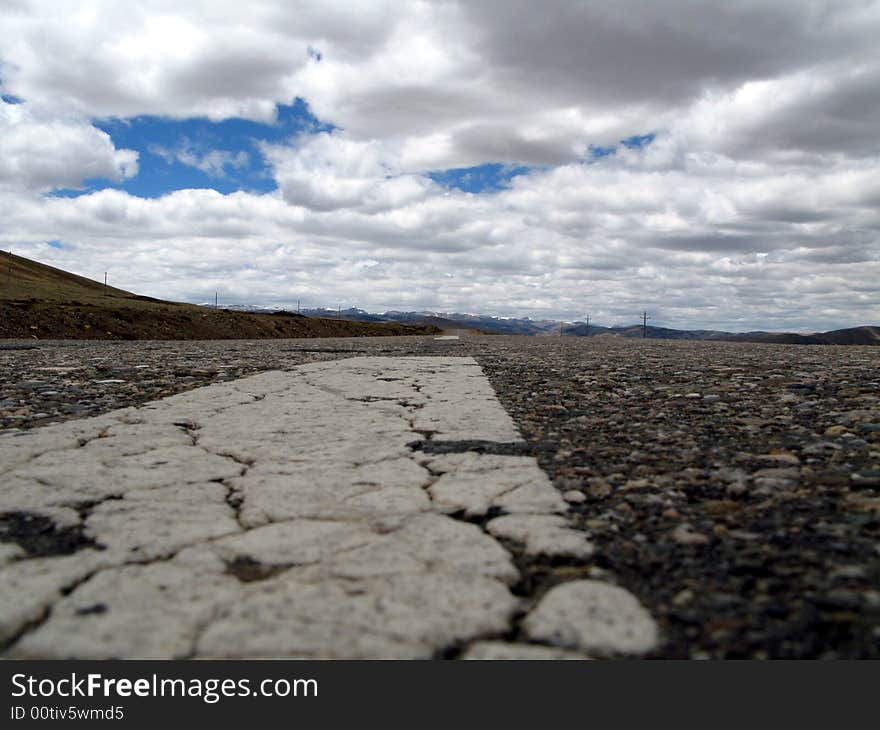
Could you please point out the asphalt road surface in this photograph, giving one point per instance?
(729, 493)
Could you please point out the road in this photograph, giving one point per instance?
(724, 496)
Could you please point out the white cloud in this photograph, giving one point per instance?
(211, 162)
(329, 171)
(757, 200)
(42, 153)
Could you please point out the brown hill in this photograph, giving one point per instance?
(850, 336)
(853, 336)
(42, 302)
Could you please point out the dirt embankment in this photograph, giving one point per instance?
(26, 319)
(38, 301)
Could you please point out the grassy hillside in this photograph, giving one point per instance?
(40, 301)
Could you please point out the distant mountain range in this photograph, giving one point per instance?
(867, 335)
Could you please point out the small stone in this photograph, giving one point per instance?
(574, 496)
(866, 479)
(845, 572)
(781, 458)
(744, 535)
(736, 489)
(594, 617)
(771, 480)
(720, 507)
(599, 487)
(841, 598)
(682, 598)
(684, 534)
(858, 504)
(778, 473)
(834, 431)
(820, 448)
(636, 484)
(729, 474)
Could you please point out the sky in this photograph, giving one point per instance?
(714, 163)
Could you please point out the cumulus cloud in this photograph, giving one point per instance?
(330, 171)
(41, 153)
(757, 198)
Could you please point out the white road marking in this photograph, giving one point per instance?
(282, 515)
(594, 617)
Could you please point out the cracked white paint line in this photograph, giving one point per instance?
(281, 515)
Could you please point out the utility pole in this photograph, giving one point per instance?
(105, 283)
(588, 325)
(297, 306)
(215, 300)
(644, 324)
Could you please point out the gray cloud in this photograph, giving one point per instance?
(757, 200)
(631, 51)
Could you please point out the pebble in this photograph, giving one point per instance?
(574, 496)
(736, 489)
(866, 479)
(682, 598)
(684, 534)
(598, 487)
(744, 535)
(835, 431)
(782, 458)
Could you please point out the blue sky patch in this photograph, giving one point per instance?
(599, 152)
(175, 154)
(55, 244)
(480, 179)
(636, 142)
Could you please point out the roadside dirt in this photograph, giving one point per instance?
(118, 320)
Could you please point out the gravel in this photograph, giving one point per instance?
(732, 488)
